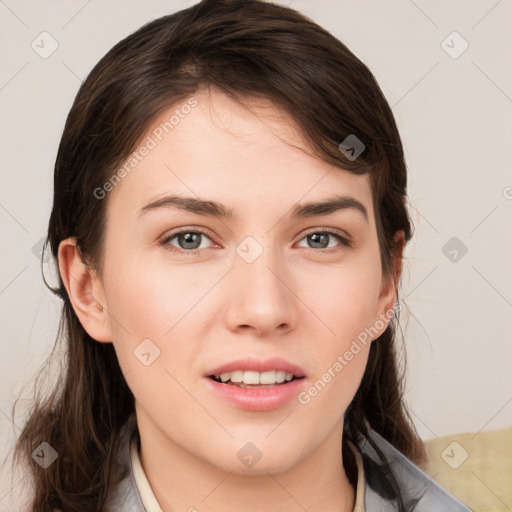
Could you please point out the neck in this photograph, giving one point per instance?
(182, 481)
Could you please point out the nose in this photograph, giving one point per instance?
(261, 298)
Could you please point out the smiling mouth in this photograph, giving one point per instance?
(252, 379)
(243, 385)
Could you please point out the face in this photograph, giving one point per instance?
(266, 288)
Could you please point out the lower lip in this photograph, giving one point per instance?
(257, 399)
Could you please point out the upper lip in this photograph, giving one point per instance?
(258, 365)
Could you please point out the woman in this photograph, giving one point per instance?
(229, 220)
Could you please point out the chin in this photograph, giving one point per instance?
(263, 467)
(258, 457)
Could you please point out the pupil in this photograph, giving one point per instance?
(188, 239)
(316, 236)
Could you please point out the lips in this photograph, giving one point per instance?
(256, 384)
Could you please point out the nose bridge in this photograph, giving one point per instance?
(262, 296)
(259, 264)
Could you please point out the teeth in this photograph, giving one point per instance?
(251, 378)
(237, 376)
(255, 378)
(267, 377)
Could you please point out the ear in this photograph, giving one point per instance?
(388, 293)
(85, 291)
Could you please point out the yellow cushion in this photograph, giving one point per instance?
(474, 467)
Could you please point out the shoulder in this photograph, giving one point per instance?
(419, 492)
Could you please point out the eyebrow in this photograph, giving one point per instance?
(215, 209)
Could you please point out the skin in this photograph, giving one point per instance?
(296, 301)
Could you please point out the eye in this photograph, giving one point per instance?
(321, 239)
(189, 240)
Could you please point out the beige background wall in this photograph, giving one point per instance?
(453, 106)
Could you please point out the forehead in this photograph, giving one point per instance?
(209, 146)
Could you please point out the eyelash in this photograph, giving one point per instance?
(345, 241)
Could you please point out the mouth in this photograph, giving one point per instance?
(256, 384)
(254, 379)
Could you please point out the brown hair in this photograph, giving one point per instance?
(246, 48)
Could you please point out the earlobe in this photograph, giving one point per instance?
(85, 291)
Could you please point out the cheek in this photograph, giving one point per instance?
(341, 299)
(344, 300)
(154, 338)
(151, 297)
(149, 311)
(339, 358)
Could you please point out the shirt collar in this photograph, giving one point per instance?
(146, 493)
